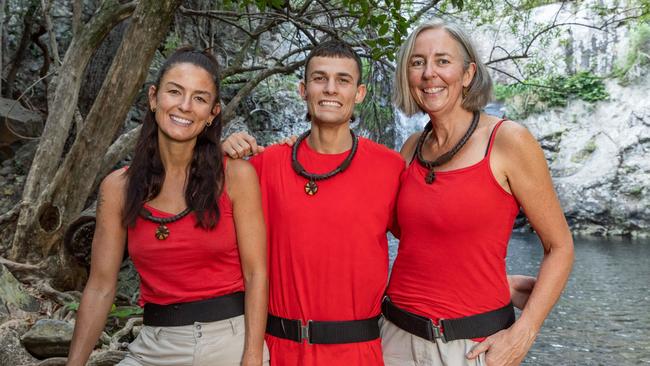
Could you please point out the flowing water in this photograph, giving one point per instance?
(603, 316)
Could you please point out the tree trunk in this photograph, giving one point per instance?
(2, 22)
(62, 199)
(95, 73)
(57, 126)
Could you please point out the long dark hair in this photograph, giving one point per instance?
(205, 183)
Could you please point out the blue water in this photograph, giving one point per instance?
(603, 316)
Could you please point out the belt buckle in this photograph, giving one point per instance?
(437, 331)
(304, 332)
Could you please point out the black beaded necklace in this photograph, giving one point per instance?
(311, 188)
(162, 231)
(444, 158)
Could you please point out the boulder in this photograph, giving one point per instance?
(17, 122)
(11, 351)
(13, 296)
(48, 338)
(106, 358)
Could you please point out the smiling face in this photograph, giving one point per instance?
(436, 72)
(185, 101)
(330, 89)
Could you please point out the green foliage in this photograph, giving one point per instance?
(585, 152)
(638, 53)
(644, 10)
(535, 95)
(172, 42)
(384, 22)
(124, 312)
(120, 312)
(636, 192)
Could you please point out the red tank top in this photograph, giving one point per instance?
(192, 263)
(328, 253)
(454, 237)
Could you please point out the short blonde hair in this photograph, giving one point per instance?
(479, 91)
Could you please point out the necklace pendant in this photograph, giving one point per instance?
(162, 232)
(431, 176)
(311, 188)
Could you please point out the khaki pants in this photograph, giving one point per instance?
(402, 348)
(214, 343)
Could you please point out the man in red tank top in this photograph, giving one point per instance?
(328, 202)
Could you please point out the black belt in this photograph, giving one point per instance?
(474, 326)
(186, 313)
(324, 332)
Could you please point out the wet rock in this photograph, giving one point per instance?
(11, 351)
(48, 338)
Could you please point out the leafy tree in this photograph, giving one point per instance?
(75, 151)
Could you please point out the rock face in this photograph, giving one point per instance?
(599, 155)
(11, 351)
(13, 296)
(48, 338)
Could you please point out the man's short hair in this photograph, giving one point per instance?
(335, 49)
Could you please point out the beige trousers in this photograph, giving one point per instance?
(402, 348)
(199, 344)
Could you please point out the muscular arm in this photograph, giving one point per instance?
(244, 191)
(519, 158)
(107, 253)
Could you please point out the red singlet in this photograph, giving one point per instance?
(455, 232)
(328, 253)
(192, 263)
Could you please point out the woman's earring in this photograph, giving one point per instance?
(465, 90)
(209, 123)
(153, 109)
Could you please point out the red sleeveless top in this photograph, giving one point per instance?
(454, 237)
(192, 263)
(328, 253)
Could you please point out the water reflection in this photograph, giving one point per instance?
(603, 317)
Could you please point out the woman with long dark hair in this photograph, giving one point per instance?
(195, 233)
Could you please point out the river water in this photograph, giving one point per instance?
(603, 316)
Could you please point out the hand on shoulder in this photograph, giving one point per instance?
(240, 144)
